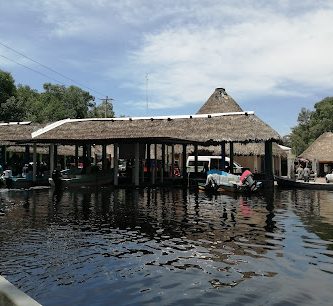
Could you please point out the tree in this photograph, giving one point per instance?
(7, 91)
(59, 102)
(311, 124)
(322, 118)
(104, 110)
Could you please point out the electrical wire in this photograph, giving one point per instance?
(41, 73)
(46, 67)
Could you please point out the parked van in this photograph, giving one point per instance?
(211, 162)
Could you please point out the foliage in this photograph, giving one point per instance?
(56, 102)
(104, 110)
(311, 124)
(7, 91)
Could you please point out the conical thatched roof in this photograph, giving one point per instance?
(219, 102)
(321, 149)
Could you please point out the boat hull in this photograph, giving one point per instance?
(83, 180)
(227, 189)
(289, 183)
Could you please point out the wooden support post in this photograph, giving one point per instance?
(76, 156)
(196, 159)
(155, 163)
(153, 168)
(104, 157)
(184, 170)
(51, 150)
(3, 157)
(89, 152)
(55, 156)
(163, 163)
(148, 161)
(223, 156)
(268, 160)
(115, 164)
(173, 160)
(231, 151)
(34, 166)
(136, 165)
(27, 154)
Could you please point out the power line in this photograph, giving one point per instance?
(106, 102)
(41, 73)
(46, 67)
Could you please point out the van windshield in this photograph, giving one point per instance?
(191, 163)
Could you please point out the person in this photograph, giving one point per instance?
(205, 167)
(306, 174)
(24, 170)
(299, 172)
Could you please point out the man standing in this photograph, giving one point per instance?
(306, 174)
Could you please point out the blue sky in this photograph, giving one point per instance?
(167, 57)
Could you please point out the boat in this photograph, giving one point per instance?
(221, 181)
(80, 178)
(285, 182)
(7, 180)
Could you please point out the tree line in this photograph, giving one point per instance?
(310, 125)
(56, 102)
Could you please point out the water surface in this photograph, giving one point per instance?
(168, 247)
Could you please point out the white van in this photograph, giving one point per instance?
(211, 162)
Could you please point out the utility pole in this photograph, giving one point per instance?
(106, 103)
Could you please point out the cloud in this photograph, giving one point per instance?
(261, 52)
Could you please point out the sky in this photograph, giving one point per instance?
(157, 57)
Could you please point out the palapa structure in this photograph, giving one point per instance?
(219, 121)
(320, 153)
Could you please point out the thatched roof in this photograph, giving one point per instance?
(219, 120)
(219, 102)
(17, 131)
(61, 150)
(203, 129)
(65, 150)
(249, 149)
(321, 149)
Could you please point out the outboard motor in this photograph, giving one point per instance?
(248, 181)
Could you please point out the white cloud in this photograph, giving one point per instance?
(263, 52)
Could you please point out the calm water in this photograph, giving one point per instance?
(168, 247)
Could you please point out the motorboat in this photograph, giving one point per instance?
(223, 181)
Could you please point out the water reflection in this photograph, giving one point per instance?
(167, 246)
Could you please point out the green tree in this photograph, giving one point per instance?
(7, 91)
(311, 124)
(58, 102)
(103, 110)
(300, 136)
(322, 118)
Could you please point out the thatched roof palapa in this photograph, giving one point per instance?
(220, 119)
(248, 149)
(321, 149)
(16, 131)
(203, 129)
(219, 102)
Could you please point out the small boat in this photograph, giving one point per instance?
(76, 178)
(221, 181)
(292, 183)
(7, 180)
